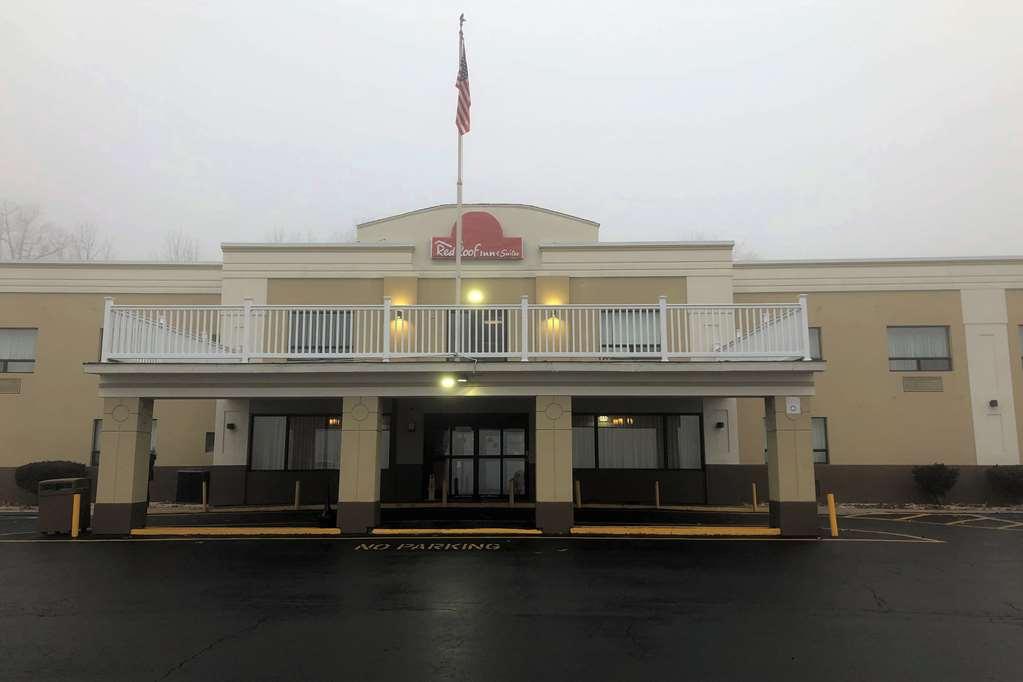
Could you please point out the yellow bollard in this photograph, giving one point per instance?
(76, 509)
(298, 493)
(832, 515)
(754, 497)
(578, 493)
(657, 494)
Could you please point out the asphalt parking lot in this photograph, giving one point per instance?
(887, 600)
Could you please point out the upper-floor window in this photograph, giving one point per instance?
(918, 349)
(815, 344)
(18, 350)
(630, 331)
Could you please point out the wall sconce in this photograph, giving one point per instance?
(474, 296)
(992, 403)
(553, 321)
(333, 421)
(719, 425)
(399, 324)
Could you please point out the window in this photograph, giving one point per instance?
(290, 442)
(97, 433)
(630, 331)
(209, 442)
(815, 344)
(918, 349)
(18, 350)
(637, 441)
(819, 427)
(319, 332)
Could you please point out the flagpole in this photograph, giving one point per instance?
(458, 219)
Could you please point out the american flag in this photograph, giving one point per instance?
(462, 85)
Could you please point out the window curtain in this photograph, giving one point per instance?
(583, 442)
(918, 342)
(17, 344)
(630, 330)
(268, 439)
(633, 444)
(312, 444)
(683, 442)
(819, 437)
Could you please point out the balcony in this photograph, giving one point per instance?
(525, 332)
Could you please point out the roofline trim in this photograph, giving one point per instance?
(317, 246)
(374, 221)
(636, 245)
(854, 262)
(110, 264)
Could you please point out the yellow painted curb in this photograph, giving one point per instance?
(236, 530)
(456, 531)
(678, 531)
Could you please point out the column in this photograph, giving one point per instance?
(554, 510)
(358, 503)
(792, 493)
(123, 487)
(230, 453)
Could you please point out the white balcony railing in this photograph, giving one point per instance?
(240, 333)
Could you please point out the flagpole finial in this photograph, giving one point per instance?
(461, 20)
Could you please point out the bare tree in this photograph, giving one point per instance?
(179, 247)
(86, 243)
(24, 235)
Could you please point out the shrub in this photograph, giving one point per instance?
(1007, 480)
(935, 480)
(27, 476)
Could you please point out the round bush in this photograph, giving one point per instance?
(1007, 480)
(935, 480)
(27, 476)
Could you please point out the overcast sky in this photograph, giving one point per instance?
(842, 128)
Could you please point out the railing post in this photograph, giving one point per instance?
(524, 308)
(246, 328)
(662, 302)
(806, 327)
(387, 328)
(108, 313)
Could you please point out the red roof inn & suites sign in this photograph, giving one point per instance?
(482, 239)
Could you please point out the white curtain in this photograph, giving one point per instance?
(17, 344)
(683, 442)
(630, 330)
(635, 444)
(918, 342)
(268, 438)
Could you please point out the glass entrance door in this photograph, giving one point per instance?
(483, 456)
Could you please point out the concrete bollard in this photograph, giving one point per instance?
(431, 489)
(754, 496)
(444, 492)
(511, 492)
(205, 497)
(298, 494)
(578, 493)
(657, 494)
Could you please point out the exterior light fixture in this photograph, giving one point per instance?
(462, 379)
(447, 381)
(399, 324)
(603, 419)
(333, 421)
(553, 321)
(474, 296)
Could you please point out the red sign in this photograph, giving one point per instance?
(482, 239)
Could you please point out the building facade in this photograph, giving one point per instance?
(614, 371)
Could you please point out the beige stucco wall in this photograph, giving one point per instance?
(870, 419)
(336, 291)
(623, 290)
(1014, 305)
(52, 416)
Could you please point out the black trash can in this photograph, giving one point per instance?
(190, 485)
(56, 502)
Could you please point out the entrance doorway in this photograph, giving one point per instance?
(481, 456)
